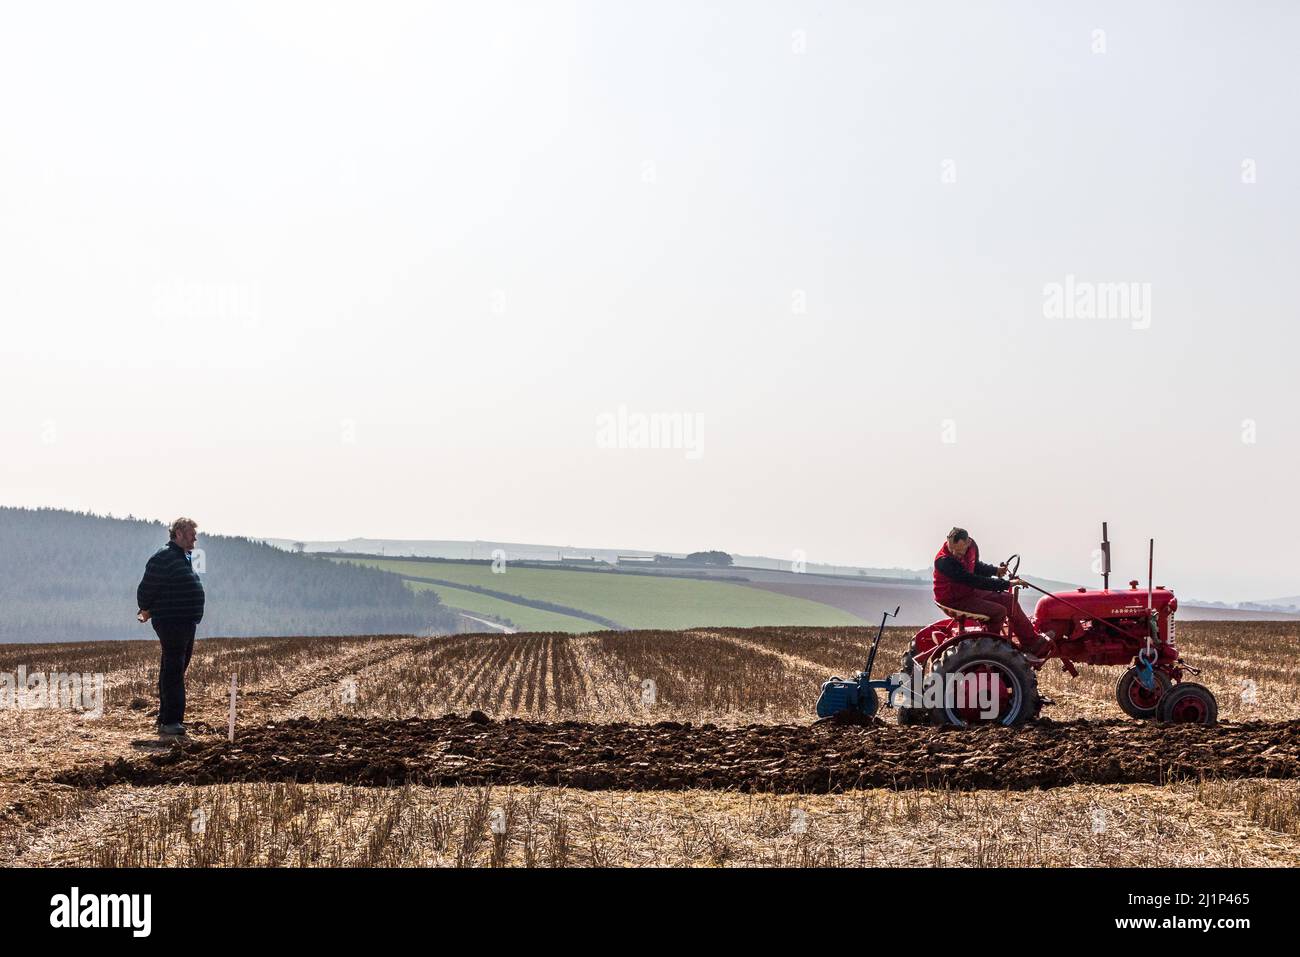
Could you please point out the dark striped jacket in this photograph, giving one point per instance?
(170, 589)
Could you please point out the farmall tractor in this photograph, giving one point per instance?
(958, 671)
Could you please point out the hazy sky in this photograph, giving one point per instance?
(328, 270)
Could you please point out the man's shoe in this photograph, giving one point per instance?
(172, 730)
(1041, 650)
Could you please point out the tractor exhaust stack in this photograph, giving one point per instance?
(1151, 571)
(1105, 558)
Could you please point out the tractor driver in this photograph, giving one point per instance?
(964, 583)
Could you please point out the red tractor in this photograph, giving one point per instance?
(1090, 626)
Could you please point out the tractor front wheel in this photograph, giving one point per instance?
(993, 671)
(1136, 699)
(1188, 703)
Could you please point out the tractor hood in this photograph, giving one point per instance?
(1103, 603)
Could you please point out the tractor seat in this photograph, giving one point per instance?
(957, 615)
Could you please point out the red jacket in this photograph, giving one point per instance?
(975, 577)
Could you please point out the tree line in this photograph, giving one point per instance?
(71, 576)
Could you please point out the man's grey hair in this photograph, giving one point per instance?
(181, 524)
(958, 534)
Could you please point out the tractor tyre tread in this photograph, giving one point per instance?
(1122, 694)
(1007, 654)
(1182, 690)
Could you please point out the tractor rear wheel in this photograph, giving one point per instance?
(1188, 703)
(1136, 699)
(989, 661)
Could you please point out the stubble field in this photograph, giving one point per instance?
(634, 748)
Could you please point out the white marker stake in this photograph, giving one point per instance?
(232, 707)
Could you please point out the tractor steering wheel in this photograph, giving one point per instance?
(1013, 571)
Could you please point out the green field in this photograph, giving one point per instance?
(635, 601)
(524, 618)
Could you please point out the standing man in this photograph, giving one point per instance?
(964, 583)
(171, 596)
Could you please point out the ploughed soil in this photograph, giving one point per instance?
(474, 750)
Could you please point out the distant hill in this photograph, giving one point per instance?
(1292, 602)
(1289, 605)
(525, 552)
(70, 576)
(593, 598)
(743, 565)
(449, 548)
(588, 590)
